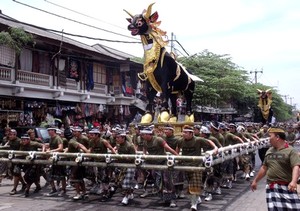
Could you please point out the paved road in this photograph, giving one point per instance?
(39, 202)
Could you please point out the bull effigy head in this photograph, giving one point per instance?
(264, 102)
(144, 23)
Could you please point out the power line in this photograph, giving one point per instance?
(181, 47)
(66, 33)
(82, 36)
(85, 15)
(77, 12)
(69, 19)
(178, 51)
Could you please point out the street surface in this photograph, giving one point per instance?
(39, 202)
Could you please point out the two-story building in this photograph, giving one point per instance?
(62, 78)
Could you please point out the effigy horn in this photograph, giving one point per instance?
(128, 13)
(148, 12)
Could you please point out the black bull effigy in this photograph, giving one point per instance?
(162, 73)
(264, 103)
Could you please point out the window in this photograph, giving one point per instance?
(26, 60)
(116, 78)
(99, 73)
(7, 56)
(44, 63)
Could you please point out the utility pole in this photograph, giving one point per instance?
(172, 42)
(285, 97)
(291, 100)
(255, 73)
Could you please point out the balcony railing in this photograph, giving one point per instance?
(117, 90)
(33, 78)
(100, 89)
(5, 74)
(72, 84)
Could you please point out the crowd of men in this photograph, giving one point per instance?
(169, 185)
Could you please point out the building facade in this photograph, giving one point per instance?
(62, 78)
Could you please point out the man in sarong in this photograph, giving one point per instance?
(281, 165)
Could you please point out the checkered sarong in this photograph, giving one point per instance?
(3, 168)
(227, 168)
(57, 172)
(245, 162)
(128, 181)
(280, 198)
(77, 174)
(194, 182)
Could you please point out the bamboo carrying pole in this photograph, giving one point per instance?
(133, 161)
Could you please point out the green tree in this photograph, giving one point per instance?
(226, 83)
(16, 38)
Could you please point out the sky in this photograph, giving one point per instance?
(260, 36)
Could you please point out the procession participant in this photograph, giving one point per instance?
(290, 135)
(281, 166)
(197, 130)
(158, 131)
(81, 138)
(138, 144)
(251, 131)
(214, 128)
(192, 146)
(65, 145)
(228, 165)
(77, 172)
(177, 176)
(14, 144)
(5, 138)
(31, 134)
(91, 171)
(212, 175)
(232, 129)
(156, 145)
(101, 146)
(205, 132)
(5, 168)
(32, 172)
(57, 173)
(126, 176)
(61, 133)
(136, 139)
(263, 133)
(112, 139)
(245, 159)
